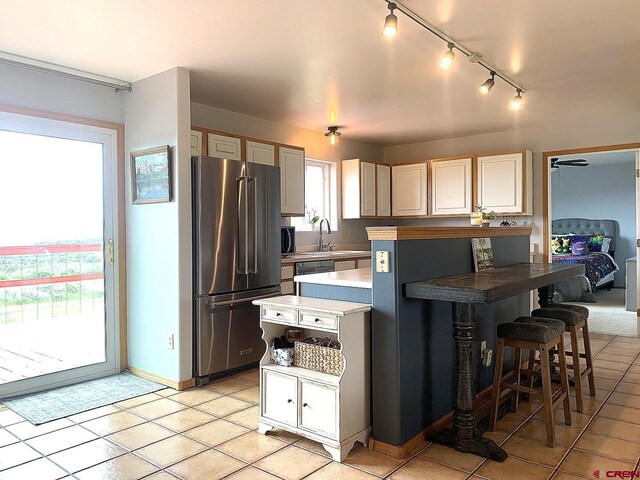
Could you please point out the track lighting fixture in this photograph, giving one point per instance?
(333, 135)
(391, 22)
(447, 59)
(391, 30)
(517, 100)
(488, 85)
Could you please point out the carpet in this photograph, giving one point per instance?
(609, 316)
(61, 402)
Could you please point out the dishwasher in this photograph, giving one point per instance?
(316, 266)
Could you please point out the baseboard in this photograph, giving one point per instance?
(182, 385)
(482, 402)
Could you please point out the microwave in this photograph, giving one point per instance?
(287, 240)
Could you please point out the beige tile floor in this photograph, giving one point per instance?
(210, 433)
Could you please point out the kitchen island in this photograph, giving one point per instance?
(346, 285)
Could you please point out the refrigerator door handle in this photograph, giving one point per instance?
(243, 225)
(252, 250)
(228, 303)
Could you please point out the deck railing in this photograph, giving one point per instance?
(47, 281)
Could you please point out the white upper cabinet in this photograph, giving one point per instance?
(383, 200)
(451, 186)
(224, 147)
(368, 190)
(291, 161)
(358, 189)
(260, 152)
(409, 192)
(196, 142)
(505, 183)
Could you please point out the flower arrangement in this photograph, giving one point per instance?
(486, 216)
(312, 215)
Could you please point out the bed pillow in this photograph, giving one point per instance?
(579, 248)
(561, 244)
(594, 242)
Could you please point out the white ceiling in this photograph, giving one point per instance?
(313, 63)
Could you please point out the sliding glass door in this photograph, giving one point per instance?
(57, 253)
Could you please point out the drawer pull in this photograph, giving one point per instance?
(278, 314)
(317, 320)
(289, 401)
(305, 404)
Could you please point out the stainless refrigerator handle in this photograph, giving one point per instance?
(255, 224)
(243, 224)
(228, 303)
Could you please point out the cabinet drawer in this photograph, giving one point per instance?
(319, 320)
(318, 409)
(286, 272)
(365, 263)
(287, 288)
(281, 315)
(280, 397)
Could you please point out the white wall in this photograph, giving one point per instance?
(158, 235)
(27, 88)
(550, 136)
(349, 232)
(600, 192)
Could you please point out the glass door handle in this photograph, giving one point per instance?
(110, 252)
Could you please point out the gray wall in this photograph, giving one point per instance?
(599, 192)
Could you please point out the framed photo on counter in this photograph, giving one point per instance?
(151, 175)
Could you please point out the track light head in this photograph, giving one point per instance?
(391, 22)
(488, 85)
(517, 102)
(447, 59)
(333, 135)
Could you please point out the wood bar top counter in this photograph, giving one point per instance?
(428, 233)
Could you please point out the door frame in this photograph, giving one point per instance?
(116, 132)
(546, 199)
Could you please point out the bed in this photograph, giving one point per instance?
(600, 266)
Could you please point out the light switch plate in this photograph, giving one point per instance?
(382, 261)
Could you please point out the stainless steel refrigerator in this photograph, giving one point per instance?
(236, 251)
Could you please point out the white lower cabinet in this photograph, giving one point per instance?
(331, 409)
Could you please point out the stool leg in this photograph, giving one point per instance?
(564, 381)
(587, 352)
(577, 378)
(531, 366)
(495, 393)
(547, 396)
(517, 363)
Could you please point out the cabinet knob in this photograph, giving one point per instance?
(305, 404)
(317, 319)
(289, 401)
(278, 314)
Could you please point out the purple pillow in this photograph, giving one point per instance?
(579, 248)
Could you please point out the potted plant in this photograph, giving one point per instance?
(487, 217)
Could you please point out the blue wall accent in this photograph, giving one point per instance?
(332, 292)
(599, 192)
(413, 353)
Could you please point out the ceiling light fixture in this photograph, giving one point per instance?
(391, 30)
(447, 59)
(488, 85)
(390, 23)
(517, 100)
(333, 135)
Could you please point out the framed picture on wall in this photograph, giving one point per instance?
(482, 254)
(151, 175)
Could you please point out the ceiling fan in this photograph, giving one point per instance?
(574, 162)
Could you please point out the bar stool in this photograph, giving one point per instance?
(575, 319)
(534, 334)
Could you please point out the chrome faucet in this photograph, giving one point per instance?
(321, 245)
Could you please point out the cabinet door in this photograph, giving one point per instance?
(318, 410)
(501, 183)
(196, 142)
(409, 189)
(451, 187)
(280, 397)
(291, 181)
(383, 178)
(344, 265)
(260, 153)
(367, 189)
(224, 147)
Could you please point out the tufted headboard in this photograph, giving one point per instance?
(583, 226)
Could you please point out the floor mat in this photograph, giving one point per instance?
(61, 402)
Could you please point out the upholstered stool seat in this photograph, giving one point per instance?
(533, 334)
(575, 320)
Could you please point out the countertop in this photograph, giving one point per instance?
(357, 278)
(332, 307)
(330, 255)
(426, 233)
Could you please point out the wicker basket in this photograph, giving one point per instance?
(318, 358)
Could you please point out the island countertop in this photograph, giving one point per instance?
(426, 233)
(357, 278)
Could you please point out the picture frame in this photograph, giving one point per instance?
(151, 175)
(482, 254)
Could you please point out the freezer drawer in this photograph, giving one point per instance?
(227, 336)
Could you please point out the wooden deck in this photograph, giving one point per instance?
(34, 348)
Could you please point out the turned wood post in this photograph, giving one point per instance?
(464, 423)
